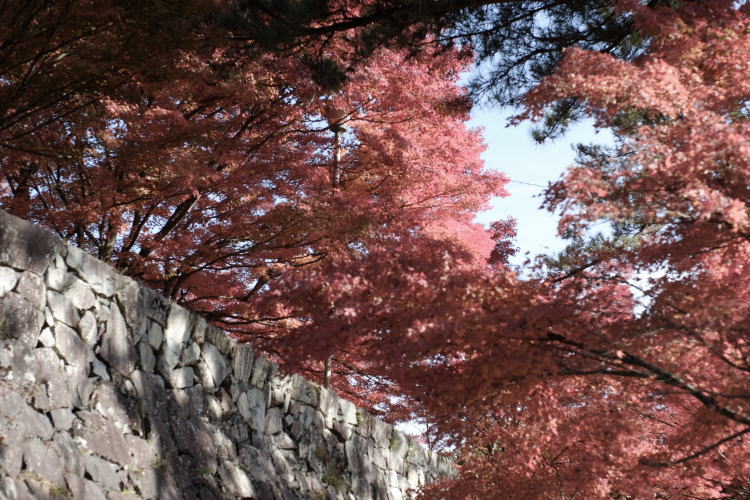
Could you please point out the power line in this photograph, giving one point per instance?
(527, 183)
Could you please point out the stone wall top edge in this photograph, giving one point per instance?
(27, 247)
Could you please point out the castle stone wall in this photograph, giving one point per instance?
(109, 391)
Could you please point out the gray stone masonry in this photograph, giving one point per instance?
(109, 391)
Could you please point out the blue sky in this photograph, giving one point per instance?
(512, 151)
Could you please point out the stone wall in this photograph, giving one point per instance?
(107, 390)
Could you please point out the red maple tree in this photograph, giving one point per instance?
(333, 218)
(237, 183)
(624, 372)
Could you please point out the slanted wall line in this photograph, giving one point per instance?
(109, 391)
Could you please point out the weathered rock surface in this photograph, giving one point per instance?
(108, 391)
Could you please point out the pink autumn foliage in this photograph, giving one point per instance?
(586, 395)
(319, 222)
(236, 184)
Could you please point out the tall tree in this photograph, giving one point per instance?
(516, 43)
(212, 173)
(622, 371)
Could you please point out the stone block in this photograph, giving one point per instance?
(379, 431)
(304, 391)
(416, 455)
(31, 287)
(102, 437)
(149, 481)
(56, 276)
(197, 440)
(187, 403)
(182, 377)
(40, 399)
(20, 320)
(72, 348)
(88, 329)
(216, 366)
(218, 338)
(328, 404)
(261, 372)
(128, 297)
(8, 280)
(148, 360)
(225, 448)
(415, 477)
(396, 493)
(155, 335)
(236, 428)
(185, 434)
(26, 246)
(199, 330)
(252, 407)
(117, 408)
(282, 441)
(169, 358)
(100, 369)
(70, 453)
(236, 481)
(242, 363)
(38, 488)
(74, 259)
(62, 419)
(103, 472)
(219, 405)
(49, 320)
(116, 348)
(274, 424)
(62, 309)
(182, 470)
(43, 461)
(304, 415)
(11, 458)
(399, 444)
(179, 324)
(191, 355)
(47, 338)
(79, 294)
(151, 394)
(14, 489)
(155, 306)
(281, 391)
(83, 386)
(342, 430)
(346, 411)
(378, 457)
(79, 487)
(99, 275)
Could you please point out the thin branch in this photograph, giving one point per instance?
(698, 453)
